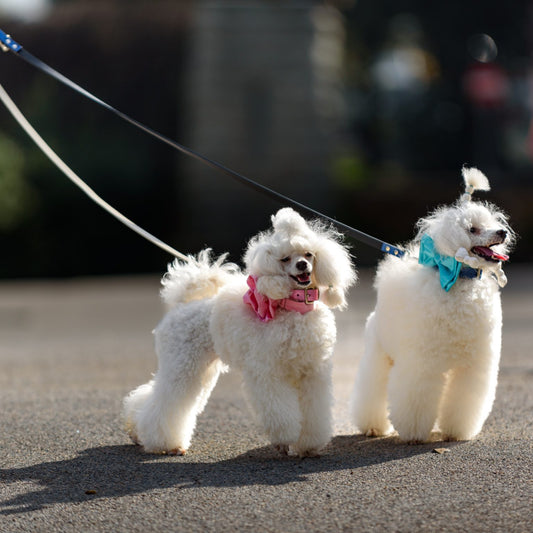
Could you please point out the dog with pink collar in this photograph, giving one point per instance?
(273, 323)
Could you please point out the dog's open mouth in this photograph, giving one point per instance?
(302, 279)
(487, 253)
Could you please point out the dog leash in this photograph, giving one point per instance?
(8, 44)
(40, 142)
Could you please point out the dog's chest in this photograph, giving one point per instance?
(464, 321)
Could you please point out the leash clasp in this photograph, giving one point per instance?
(8, 44)
(393, 250)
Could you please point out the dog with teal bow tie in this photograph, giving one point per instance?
(433, 342)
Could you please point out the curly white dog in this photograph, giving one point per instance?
(274, 325)
(432, 344)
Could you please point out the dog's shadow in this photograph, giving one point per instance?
(116, 471)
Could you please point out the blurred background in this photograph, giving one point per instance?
(365, 110)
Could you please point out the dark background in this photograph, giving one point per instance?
(427, 88)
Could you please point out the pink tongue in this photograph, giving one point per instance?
(491, 253)
(303, 278)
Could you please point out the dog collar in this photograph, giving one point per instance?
(470, 273)
(449, 268)
(299, 300)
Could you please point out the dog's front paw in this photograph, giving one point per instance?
(372, 432)
(312, 452)
(283, 449)
(131, 430)
(449, 438)
(414, 442)
(133, 436)
(376, 431)
(161, 451)
(176, 451)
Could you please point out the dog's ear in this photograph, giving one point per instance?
(262, 261)
(333, 272)
(275, 287)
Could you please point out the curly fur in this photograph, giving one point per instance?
(285, 363)
(431, 357)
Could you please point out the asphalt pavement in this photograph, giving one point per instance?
(71, 349)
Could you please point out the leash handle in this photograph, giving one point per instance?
(8, 44)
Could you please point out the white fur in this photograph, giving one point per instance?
(285, 362)
(431, 357)
(475, 179)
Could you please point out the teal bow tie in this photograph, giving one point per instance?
(449, 268)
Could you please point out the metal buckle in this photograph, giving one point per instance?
(305, 296)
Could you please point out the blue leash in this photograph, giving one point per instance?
(8, 44)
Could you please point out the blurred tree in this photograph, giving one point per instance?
(17, 197)
(108, 48)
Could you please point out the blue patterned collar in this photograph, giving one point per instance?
(449, 268)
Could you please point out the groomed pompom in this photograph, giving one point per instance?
(474, 180)
(289, 221)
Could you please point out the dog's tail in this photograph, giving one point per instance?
(197, 278)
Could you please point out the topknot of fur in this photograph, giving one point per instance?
(289, 222)
(474, 180)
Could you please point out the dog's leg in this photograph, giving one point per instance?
(316, 402)
(276, 406)
(165, 418)
(369, 398)
(468, 400)
(414, 395)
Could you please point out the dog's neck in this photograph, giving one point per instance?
(299, 300)
(450, 270)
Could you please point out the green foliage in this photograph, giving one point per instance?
(17, 198)
(350, 172)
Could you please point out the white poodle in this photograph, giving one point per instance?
(274, 324)
(432, 344)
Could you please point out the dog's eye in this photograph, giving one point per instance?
(473, 229)
(308, 254)
(285, 259)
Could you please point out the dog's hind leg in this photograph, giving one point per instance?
(369, 398)
(166, 421)
(161, 415)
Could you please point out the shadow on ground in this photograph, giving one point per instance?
(116, 471)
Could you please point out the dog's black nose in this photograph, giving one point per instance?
(301, 265)
(502, 233)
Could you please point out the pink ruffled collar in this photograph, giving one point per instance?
(300, 300)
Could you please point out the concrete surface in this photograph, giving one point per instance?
(70, 350)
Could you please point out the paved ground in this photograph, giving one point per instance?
(69, 351)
